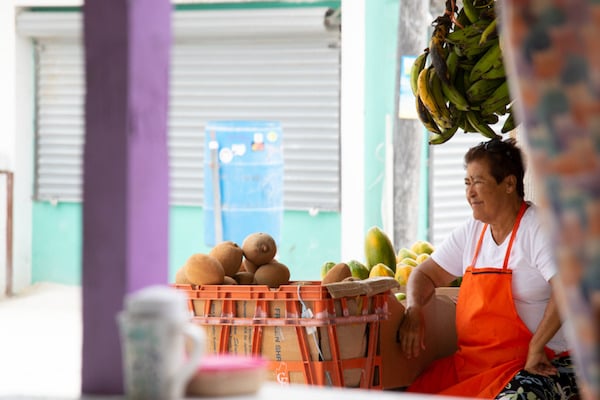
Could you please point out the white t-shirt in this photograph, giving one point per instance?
(531, 260)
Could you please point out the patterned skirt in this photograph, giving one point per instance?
(527, 386)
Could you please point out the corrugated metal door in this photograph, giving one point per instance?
(274, 64)
(449, 207)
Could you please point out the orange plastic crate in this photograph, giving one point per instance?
(307, 336)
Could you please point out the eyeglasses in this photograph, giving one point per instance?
(496, 146)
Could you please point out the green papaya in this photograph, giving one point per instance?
(379, 249)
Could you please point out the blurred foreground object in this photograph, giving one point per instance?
(554, 72)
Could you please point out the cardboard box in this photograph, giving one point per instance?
(440, 338)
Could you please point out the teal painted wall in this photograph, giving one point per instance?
(306, 241)
(381, 24)
(56, 242)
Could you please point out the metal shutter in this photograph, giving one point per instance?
(276, 64)
(449, 207)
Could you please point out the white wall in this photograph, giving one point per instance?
(16, 129)
(16, 136)
(352, 129)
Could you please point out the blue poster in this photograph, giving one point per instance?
(406, 102)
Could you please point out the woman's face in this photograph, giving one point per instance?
(485, 196)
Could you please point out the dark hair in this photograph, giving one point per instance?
(504, 159)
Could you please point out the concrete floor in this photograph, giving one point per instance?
(40, 342)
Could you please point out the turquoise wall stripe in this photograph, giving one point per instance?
(380, 82)
(306, 241)
(56, 242)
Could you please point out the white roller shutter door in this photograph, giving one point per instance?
(263, 64)
(449, 207)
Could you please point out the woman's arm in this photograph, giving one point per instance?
(420, 288)
(537, 361)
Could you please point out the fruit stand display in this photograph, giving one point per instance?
(308, 332)
(340, 331)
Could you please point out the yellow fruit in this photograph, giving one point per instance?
(406, 253)
(379, 249)
(422, 257)
(326, 267)
(358, 269)
(422, 246)
(381, 270)
(400, 296)
(409, 261)
(402, 273)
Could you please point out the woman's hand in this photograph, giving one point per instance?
(538, 363)
(412, 332)
(537, 360)
(419, 291)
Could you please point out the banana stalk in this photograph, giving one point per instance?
(437, 50)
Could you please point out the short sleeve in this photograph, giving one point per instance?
(450, 253)
(542, 254)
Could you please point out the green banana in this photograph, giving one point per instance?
(486, 61)
(490, 119)
(466, 64)
(447, 134)
(452, 63)
(455, 97)
(466, 126)
(480, 126)
(425, 117)
(444, 136)
(482, 89)
(462, 19)
(418, 66)
(475, 51)
(469, 35)
(497, 71)
(498, 100)
(509, 123)
(444, 117)
(452, 93)
(487, 10)
(470, 10)
(459, 84)
(430, 95)
(489, 31)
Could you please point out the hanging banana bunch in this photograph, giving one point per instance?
(459, 81)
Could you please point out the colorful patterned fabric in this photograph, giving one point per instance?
(526, 386)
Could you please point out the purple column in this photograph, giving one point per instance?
(126, 181)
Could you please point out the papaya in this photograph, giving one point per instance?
(379, 249)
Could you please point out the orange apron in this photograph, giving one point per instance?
(493, 341)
